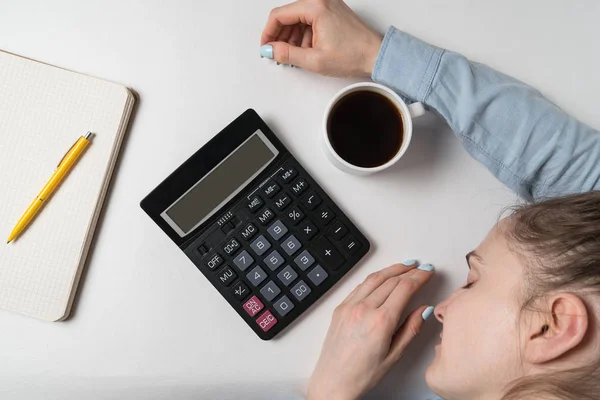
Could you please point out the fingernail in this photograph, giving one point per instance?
(427, 313)
(426, 267)
(267, 51)
(409, 263)
(278, 63)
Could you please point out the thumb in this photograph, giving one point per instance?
(407, 332)
(286, 53)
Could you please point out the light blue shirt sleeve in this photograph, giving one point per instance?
(526, 141)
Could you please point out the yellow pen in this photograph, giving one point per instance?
(69, 159)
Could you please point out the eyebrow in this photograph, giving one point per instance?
(473, 254)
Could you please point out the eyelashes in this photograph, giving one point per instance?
(468, 285)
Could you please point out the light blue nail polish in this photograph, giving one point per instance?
(427, 313)
(267, 51)
(426, 267)
(410, 263)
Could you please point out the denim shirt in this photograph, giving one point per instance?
(527, 142)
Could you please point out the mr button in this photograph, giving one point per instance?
(325, 251)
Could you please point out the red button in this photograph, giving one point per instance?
(253, 306)
(266, 321)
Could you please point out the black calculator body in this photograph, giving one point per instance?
(257, 225)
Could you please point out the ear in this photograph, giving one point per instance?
(554, 334)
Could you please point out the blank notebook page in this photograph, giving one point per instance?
(43, 111)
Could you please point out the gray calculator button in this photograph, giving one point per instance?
(291, 245)
(304, 260)
(277, 230)
(270, 291)
(283, 306)
(260, 245)
(243, 260)
(274, 260)
(256, 276)
(317, 275)
(300, 290)
(287, 275)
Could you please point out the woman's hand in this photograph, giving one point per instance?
(363, 341)
(322, 36)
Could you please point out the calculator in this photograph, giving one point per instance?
(257, 225)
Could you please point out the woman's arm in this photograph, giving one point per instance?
(526, 141)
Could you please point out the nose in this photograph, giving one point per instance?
(440, 309)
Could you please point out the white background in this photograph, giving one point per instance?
(146, 323)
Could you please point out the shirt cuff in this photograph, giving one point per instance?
(407, 64)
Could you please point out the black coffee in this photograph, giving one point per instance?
(365, 129)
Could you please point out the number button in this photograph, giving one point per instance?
(291, 245)
(254, 204)
(214, 261)
(226, 276)
(253, 306)
(304, 260)
(256, 276)
(317, 275)
(338, 230)
(231, 246)
(299, 186)
(274, 260)
(311, 201)
(277, 230)
(271, 189)
(266, 216)
(295, 215)
(300, 290)
(324, 215)
(243, 260)
(283, 306)
(288, 174)
(240, 291)
(270, 291)
(307, 230)
(287, 275)
(282, 201)
(266, 321)
(249, 231)
(260, 245)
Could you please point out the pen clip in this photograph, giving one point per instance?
(86, 137)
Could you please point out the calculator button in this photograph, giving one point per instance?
(299, 186)
(231, 246)
(291, 245)
(249, 231)
(311, 201)
(300, 290)
(202, 249)
(304, 260)
(295, 215)
(317, 275)
(253, 306)
(254, 204)
(324, 215)
(277, 230)
(325, 251)
(235, 221)
(266, 321)
(351, 245)
(260, 245)
(226, 276)
(270, 291)
(256, 276)
(240, 291)
(338, 230)
(282, 201)
(307, 230)
(214, 261)
(288, 174)
(287, 275)
(271, 189)
(266, 216)
(274, 260)
(283, 306)
(228, 227)
(243, 260)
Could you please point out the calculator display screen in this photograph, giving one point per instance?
(221, 184)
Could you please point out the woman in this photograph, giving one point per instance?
(526, 323)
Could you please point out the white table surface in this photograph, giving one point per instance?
(147, 324)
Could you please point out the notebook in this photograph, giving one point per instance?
(43, 111)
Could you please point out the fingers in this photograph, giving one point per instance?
(296, 35)
(290, 14)
(284, 35)
(307, 37)
(406, 288)
(376, 279)
(407, 332)
(285, 53)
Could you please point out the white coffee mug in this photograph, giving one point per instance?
(408, 112)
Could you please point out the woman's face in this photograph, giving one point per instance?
(479, 350)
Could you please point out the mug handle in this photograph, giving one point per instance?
(416, 109)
